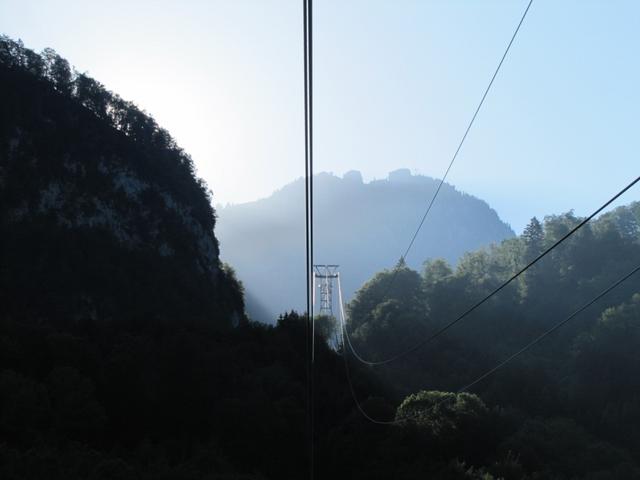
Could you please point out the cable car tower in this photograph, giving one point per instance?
(323, 276)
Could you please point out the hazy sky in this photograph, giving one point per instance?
(396, 82)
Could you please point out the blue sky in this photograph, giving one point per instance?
(396, 82)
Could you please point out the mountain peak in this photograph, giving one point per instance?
(353, 176)
(400, 175)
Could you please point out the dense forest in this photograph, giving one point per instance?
(362, 226)
(125, 352)
(574, 393)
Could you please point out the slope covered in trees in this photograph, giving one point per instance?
(99, 204)
(579, 384)
(364, 227)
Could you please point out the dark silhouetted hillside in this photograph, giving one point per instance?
(101, 213)
(364, 227)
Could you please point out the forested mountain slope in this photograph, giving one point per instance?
(579, 383)
(99, 204)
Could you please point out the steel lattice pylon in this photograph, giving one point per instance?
(323, 276)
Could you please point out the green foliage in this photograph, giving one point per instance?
(390, 300)
(606, 364)
(436, 271)
(443, 414)
(147, 400)
(533, 239)
(558, 448)
(594, 383)
(58, 71)
(557, 285)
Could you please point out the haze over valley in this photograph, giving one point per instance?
(364, 227)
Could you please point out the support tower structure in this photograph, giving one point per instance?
(323, 276)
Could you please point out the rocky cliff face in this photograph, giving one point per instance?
(103, 193)
(95, 220)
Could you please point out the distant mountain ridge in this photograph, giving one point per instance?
(363, 226)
